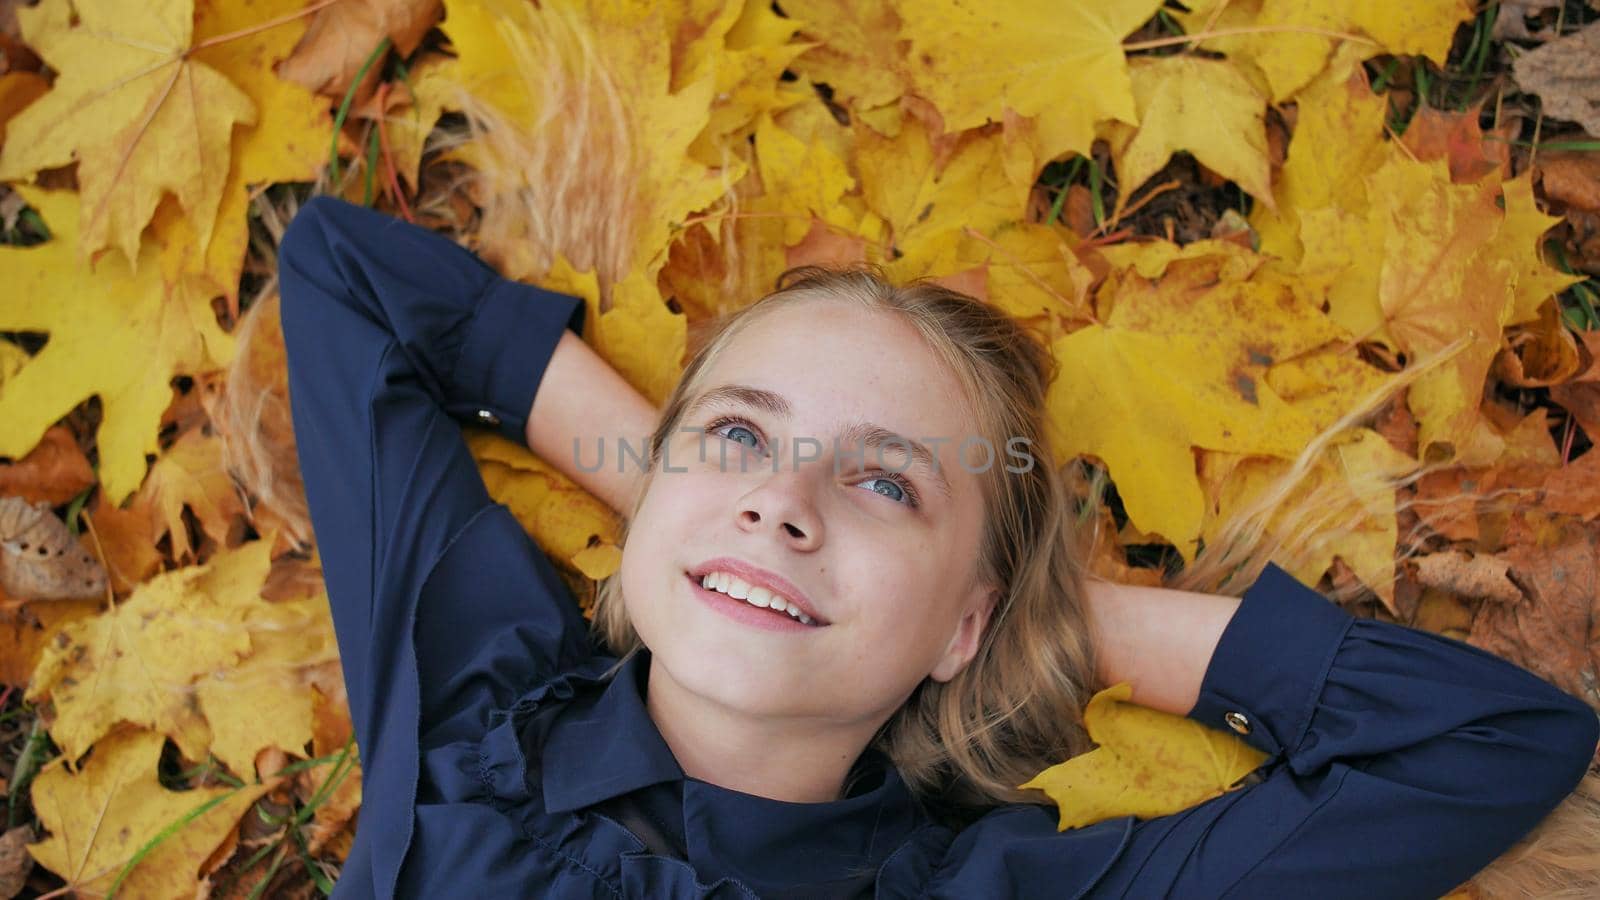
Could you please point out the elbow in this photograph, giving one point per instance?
(1579, 739)
(1563, 744)
(304, 241)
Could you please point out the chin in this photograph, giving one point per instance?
(739, 678)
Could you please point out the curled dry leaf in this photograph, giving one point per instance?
(1565, 73)
(1580, 395)
(1481, 577)
(1540, 353)
(40, 559)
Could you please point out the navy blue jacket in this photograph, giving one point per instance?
(490, 729)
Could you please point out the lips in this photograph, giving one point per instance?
(760, 577)
(740, 611)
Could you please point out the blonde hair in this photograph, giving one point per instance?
(1017, 707)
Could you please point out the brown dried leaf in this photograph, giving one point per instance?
(126, 542)
(40, 559)
(1443, 613)
(1457, 138)
(1511, 21)
(1555, 631)
(1539, 353)
(1580, 395)
(1565, 73)
(343, 35)
(191, 474)
(1574, 489)
(1572, 178)
(15, 863)
(1462, 574)
(52, 473)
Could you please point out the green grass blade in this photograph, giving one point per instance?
(344, 105)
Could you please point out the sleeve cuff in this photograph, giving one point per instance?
(513, 334)
(1268, 671)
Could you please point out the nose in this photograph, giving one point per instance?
(782, 503)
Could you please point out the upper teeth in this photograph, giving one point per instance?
(739, 589)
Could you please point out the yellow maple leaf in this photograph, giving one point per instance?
(1140, 402)
(724, 262)
(1344, 507)
(1204, 106)
(113, 332)
(1326, 383)
(1338, 140)
(744, 52)
(1148, 763)
(289, 141)
(1028, 270)
(1254, 315)
(1291, 40)
(565, 521)
(413, 113)
(101, 815)
(925, 200)
(1420, 270)
(139, 115)
(139, 661)
(266, 700)
(1061, 64)
(801, 179)
(856, 50)
(639, 336)
(191, 473)
(1520, 244)
(1179, 363)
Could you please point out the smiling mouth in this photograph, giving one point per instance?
(766, 617)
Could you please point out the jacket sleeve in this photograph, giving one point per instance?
(1401, 763)
(395, 336)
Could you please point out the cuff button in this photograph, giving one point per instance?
(1237, 722)
(488, 418)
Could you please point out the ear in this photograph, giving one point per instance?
(963, 646)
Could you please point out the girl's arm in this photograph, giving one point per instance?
(443, 607)
(1158, 639)
(584, 404)
(1400, 762)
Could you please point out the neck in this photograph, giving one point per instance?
(789, 759)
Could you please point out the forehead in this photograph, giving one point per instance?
(837, 364)
(823, 348)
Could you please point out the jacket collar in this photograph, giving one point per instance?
(603, 745)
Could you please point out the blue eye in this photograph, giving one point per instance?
(734, 428)
(731, 434)
(894, 491)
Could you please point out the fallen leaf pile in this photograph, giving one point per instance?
(1320, 278)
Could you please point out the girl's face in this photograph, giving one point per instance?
(883, 548)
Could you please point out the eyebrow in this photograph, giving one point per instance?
(865, 433)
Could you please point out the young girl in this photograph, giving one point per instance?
(851, 618)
